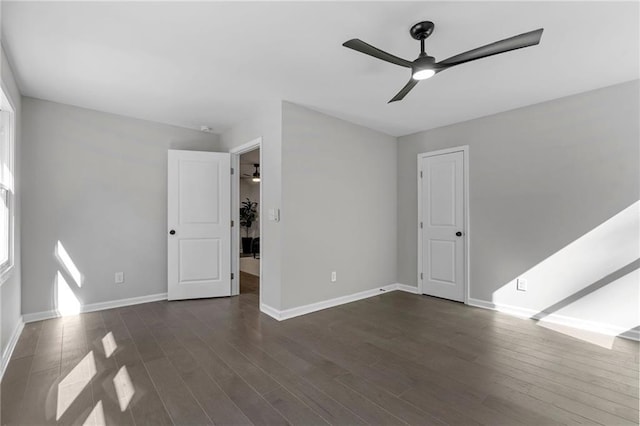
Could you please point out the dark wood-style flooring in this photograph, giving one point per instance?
(393, 359)
(249, 283)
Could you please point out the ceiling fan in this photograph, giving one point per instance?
(425, 66)
(255, 177)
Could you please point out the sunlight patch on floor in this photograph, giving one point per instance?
(124, 387)
(109, 344)
(96, 416)
(74, 382)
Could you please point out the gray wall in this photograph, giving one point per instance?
(10, 292)
(96, 182)
(542, 177)
(267, 123)
(339, 207)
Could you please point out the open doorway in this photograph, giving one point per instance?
(244, 159)
(249, 221)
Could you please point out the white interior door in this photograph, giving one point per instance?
(442, 224)
(199, 224)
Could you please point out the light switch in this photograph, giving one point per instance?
(274, 215)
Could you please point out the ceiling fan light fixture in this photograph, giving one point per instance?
(256, 174)
(425, 66)
(423, 74)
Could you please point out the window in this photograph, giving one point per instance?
(7, 142)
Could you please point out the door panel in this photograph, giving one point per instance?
(442, 181)
(442, 266)
(199, 211)
(196, 259)
(199, 202)
(442, 198)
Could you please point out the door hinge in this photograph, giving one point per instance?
(232, 224)
(420, 174)
(420, 225)
(232, 171)
(421, 275)
(232, 275)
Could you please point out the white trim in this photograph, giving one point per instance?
(100, 306)
(5, 273)
(6, 355)
(236, 152)
(325, 304)
(246, 147)
(6, 269)
(408, 288)
(507, 309)
(40, 316)
(272, 312)
(593, 326)
(467, 229)
(419, 242)
(631, 335)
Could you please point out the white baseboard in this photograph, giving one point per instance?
(100, 306)
(282, 315)
(408, 288)
(507, 309)
(631, 335)
(40, 316)
(596, 327)
(272, 312)
(6, 355)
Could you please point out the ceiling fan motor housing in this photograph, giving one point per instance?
(423, 62)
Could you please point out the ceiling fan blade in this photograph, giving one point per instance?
(368, 49)
(403, 92)
(512, 43)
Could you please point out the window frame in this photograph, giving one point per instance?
(7, 267)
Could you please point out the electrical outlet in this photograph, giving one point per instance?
(521, 284)
(334, 276)
(119, 277)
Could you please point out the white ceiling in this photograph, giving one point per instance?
(214, 63)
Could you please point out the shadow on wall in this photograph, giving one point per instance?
(592, 283)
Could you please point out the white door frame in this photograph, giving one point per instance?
(236, 152)
(466, 232)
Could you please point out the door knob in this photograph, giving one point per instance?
(458, 234)
(172, 232)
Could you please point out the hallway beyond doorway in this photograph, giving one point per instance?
(249, 284)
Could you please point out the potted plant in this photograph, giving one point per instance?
(248, 215)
